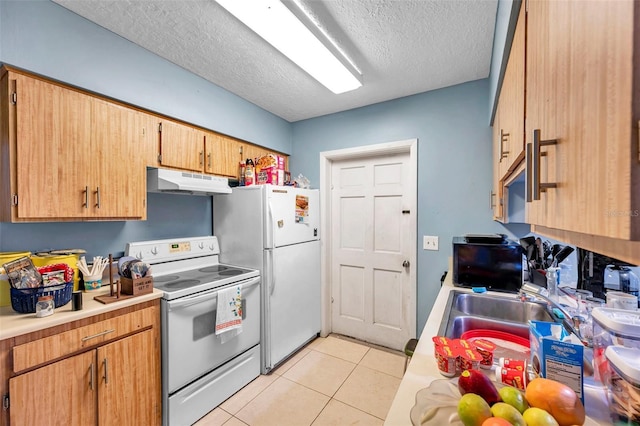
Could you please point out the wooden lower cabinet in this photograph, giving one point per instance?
(127, 380)
(110, 382)
(62, 393)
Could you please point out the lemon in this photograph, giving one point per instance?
(538, 417)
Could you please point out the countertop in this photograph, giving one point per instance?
(14, 324)
(422, 370)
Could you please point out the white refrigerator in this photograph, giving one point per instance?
(276, 229)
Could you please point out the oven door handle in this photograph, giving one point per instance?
(212, 294)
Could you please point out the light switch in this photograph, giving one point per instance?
(430, 242)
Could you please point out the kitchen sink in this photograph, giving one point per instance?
(506, 313)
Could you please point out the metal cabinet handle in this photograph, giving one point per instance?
(97, 196)
(84, 339)
(529, 175)
(92, 372)
(86, 197)
(201, 158)
(106, 371)
(209, 160)
(492, 196)
(504, 137)
(538, 187)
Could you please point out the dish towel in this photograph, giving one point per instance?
(229, 313)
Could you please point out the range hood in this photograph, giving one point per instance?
(179, 182)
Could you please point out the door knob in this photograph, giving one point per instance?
(405, 263)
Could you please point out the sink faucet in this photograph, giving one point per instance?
(530, 291)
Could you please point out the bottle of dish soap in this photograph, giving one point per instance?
(249, 172)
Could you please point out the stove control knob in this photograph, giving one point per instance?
(201, 246)
(211, 247)
(139, 255)
(154, 251)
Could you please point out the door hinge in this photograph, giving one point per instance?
(14, 199)
(332, 299)
(5, 401)
(160, 127)
(14, 98)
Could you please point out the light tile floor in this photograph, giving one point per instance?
(331, 381)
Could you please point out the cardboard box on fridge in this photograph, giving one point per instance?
(555, 359)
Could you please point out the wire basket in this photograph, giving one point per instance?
(24, 300)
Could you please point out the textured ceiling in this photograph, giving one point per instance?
(402, 47)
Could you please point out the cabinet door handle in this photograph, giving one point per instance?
(84, 339)
(209, 160)
(504, 137)
(97, 196)
(537, 144)
(92, 373)
(86, 197)
(528, 186)
(201, 158)
(105, 363)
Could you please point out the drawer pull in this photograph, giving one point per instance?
(84, 339)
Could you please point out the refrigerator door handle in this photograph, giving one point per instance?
(272, 284)
(268, 241)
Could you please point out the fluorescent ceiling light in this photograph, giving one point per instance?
(275, 23)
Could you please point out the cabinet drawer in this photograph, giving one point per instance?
(38, 352)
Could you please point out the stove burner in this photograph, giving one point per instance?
(231, 272)
(181, 284)
(165, 278)
(214, 268)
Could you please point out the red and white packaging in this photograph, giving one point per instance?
(469, 359)
(446, 358)
(517, 364)
(510, 376)
(485, 348)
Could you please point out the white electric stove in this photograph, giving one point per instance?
(199, 371)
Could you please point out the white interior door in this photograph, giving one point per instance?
(372, 245)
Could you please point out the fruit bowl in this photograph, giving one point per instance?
(437, 404)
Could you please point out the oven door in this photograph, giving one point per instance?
(190, 347)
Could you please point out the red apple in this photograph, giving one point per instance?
(474, 381)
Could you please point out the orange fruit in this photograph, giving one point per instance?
(557, 399)
(495, 421)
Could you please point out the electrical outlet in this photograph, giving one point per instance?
(430, 242)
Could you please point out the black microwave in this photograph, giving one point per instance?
(493, 263)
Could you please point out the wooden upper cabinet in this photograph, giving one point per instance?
(511, 104)
(52, 137)
(181, 146)
(71, 156)
(221, 155)
(121, 183)
(496, 190)
(581, 82)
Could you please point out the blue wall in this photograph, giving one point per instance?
(454, 165)
(45, 38)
